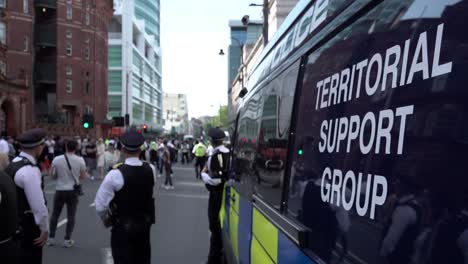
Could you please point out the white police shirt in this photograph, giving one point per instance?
(29, 179)
(205, 176)
(112, 183)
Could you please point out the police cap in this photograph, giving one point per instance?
(216, 133)
(132, 140)
(32, 138)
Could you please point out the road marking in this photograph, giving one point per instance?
(183, 168)
(107, 256)
(92, 205)
(61, 223)
(197, 184)
(184, 195)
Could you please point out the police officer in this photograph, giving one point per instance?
(125, 202)
(32, 211)
(8, 220)
(214, 175)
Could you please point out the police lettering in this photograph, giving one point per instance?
(343, 189)
(369, 132)
(382, 71)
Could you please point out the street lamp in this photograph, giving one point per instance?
(266, 11)
(244, 90)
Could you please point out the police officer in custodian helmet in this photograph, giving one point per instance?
(125, 203)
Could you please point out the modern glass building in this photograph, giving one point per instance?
(135, 62)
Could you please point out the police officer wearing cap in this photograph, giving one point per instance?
(125, 203)
(33, 217)
(8, 220)
(214, 175)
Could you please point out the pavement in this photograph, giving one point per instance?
(180, 234)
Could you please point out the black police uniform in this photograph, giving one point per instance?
(28, 230)
(8, 220)
(217, 170)
(132, 209)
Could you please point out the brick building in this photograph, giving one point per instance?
(56, 50)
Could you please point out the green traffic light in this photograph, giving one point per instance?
(300, 152)
(86, 125)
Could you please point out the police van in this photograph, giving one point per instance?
(351, 145)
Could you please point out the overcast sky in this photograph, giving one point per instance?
(192, 33)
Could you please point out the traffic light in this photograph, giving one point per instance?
(119, 121)
(87, 121)
(145, 128)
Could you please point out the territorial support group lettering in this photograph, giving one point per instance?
(371, 132)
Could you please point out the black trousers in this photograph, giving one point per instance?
(131, 247)
(185, 157)
(9, 252)
(29, 253)
(62, 198)
(199, 164)
(215, 255)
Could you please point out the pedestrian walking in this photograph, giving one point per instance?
(199, 150)
(100, 150)
(68, 169)
(90, 158)
(50, 144)
(111, 157)
(161, 149)
(185, 152)
(125, 203)
(32, 210)
(214, 175)
(167, 163)
(9, 220)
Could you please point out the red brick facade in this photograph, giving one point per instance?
(74, 83)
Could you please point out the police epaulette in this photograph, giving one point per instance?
(116, 166)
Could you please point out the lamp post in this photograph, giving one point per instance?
(242, 65)
(266, 13)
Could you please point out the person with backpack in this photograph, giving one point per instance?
(199, 150)
(32, 210)
(214, 176)
(68, 169)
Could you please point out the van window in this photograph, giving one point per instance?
(272, 147)
(380, 155)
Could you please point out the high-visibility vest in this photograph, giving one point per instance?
(200, 150)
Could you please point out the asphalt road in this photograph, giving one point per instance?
(180, 234)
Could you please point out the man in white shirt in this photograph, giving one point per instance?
(50, 143)
(33, 214)
(66, 173)
(125, 202)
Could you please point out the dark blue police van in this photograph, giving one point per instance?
(351, 145)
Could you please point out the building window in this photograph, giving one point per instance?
(68, 50)
(2, 3)
(87, 87)
(87, 18)
(26, 6)
(69, 86)
(2, 68)
(69, 11)
(26, 43)
(69, 71)
(87, 53)
(2, 33)
(69, 34)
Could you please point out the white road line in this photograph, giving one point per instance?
(183, 168)
(92, 205)
(197, 184)
(61, 223)
(107, 256)
(184, 195)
